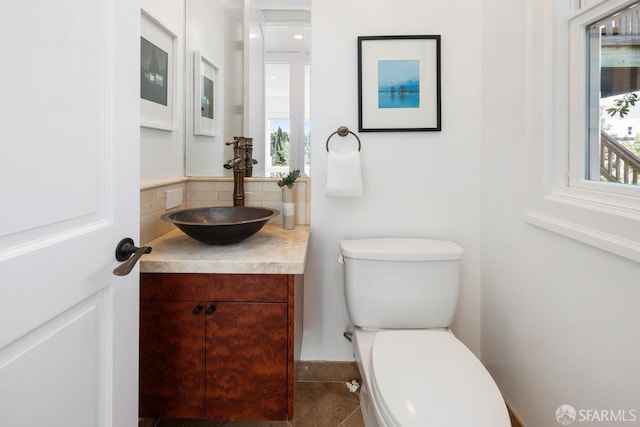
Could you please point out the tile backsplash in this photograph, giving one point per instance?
(198, 192)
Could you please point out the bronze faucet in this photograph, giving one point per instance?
(242, 165)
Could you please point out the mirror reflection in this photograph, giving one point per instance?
(262, 49)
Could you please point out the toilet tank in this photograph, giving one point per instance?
(401, 283)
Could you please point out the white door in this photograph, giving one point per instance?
(69, 179)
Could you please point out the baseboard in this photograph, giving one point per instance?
(324, 371)
(515, 419)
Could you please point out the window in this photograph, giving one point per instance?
(604, 51)
(614, 90)
(593, 48)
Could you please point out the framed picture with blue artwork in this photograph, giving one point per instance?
(399, 83)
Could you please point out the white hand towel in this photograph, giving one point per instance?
(343, 175)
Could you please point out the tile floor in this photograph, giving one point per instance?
(322, 400)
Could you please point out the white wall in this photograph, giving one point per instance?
(162, 152)
(559, 318)
(415, 184)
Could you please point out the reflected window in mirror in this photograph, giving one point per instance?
(287, 113)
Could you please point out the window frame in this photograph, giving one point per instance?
(579, 95)
(601, 214)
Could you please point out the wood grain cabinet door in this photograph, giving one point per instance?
(246, 361)
(172, 365)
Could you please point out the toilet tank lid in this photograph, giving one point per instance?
(401, 249)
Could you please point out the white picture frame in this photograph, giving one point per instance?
(158, 74)
(205, 96)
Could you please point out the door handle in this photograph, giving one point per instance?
(127, 251)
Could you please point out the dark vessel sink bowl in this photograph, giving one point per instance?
(221, 225)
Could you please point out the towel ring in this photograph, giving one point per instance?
(344, 131)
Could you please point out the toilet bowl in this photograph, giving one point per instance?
(401, 295)
(423, 378)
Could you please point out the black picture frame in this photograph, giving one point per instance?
(399, 87)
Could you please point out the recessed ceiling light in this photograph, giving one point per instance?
(298, 36)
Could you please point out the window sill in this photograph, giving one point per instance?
(593, 218)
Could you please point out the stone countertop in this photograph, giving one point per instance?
(271, 250)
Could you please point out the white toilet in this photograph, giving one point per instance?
(401, 296)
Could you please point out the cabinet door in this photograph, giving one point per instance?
(172, 359)
(247, 361)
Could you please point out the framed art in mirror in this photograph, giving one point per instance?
(399, 83)
(158, 69)
(205, 96)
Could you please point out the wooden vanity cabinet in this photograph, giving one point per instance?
(172, 364)
(218, 346)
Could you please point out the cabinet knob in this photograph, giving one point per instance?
(198, 309)
(211, 309)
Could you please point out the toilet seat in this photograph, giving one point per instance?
(424, 378)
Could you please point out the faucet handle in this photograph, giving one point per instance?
(235, 142)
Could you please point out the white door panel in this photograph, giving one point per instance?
(69, 191)
(40, 283)
(55, 88)
(37, 364)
